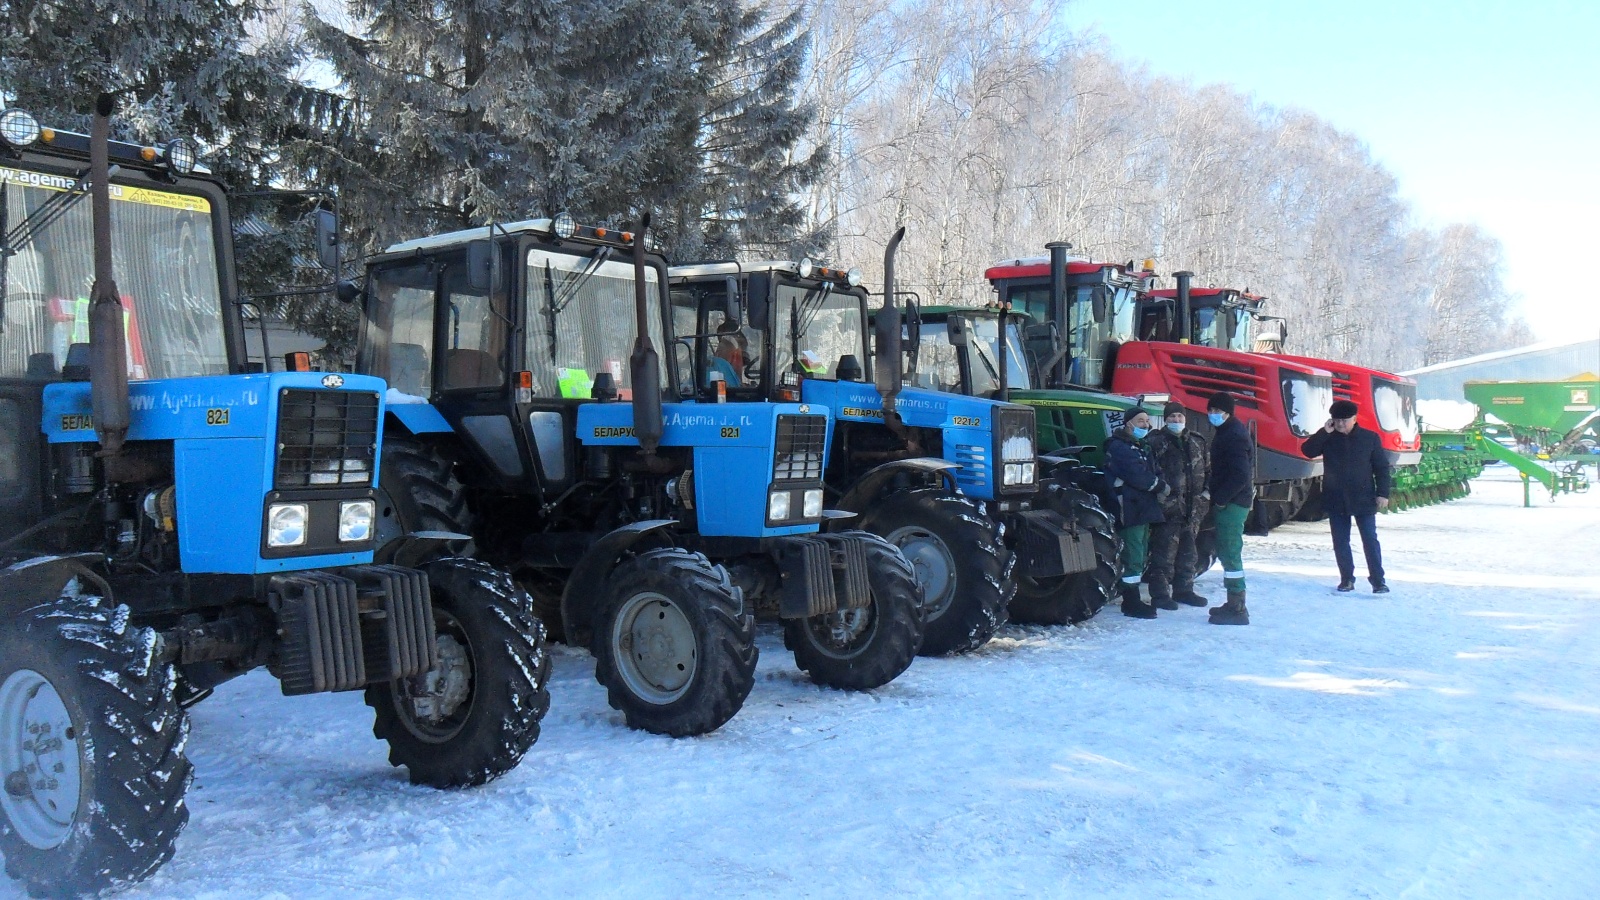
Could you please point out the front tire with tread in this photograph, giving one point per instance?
(885, 636)
(1074, 598)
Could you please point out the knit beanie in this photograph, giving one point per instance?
(1221, 401)
(1343, 409)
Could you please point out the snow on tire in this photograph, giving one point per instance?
(966, 570)
(471, 718)
(91, 742)
(860, 649)
(674, 644)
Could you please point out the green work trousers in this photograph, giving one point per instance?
(1229, 519)
(1135, 551)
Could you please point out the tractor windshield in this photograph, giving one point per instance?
(939, 368)
(163, 259)
(580, 320)
(819, 323)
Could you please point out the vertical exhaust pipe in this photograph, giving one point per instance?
(1001, 358)
(108, 350)
(644, 365)
(1182, 325)
(887, 371)
(1059, 314)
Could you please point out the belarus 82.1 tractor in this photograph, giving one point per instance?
(950, 480)
(527, 411)
(169, 521)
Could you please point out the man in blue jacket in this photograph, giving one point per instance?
(1355, 484)
(1136, 481)
(1233, 492)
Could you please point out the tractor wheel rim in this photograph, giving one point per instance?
(934, 564)
(842, 634)
(654, 644)
(437, 703)
(39, 754)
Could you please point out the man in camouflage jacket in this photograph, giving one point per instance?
(1185, 461)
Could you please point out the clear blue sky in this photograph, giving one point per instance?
(1485, 110)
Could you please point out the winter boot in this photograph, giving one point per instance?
(1185, 594)
(1231, 612)
(1346, 585)
(1161, 595)
(1132, 605)
(1379, 586)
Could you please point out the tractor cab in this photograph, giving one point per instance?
(1222, 318)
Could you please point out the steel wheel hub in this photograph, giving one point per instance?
(39, 757)
(447, 686)
(839, 633)
(655, 648)
(934, 564)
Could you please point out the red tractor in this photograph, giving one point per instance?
(1227, 317)
(1112, 334)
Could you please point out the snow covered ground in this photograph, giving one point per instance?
(1442, 741)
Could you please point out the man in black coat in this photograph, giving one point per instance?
(1233, 492)
(1185, 460)
(1139, 491)
(1355, 484)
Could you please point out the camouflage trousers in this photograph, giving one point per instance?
(1172, 558)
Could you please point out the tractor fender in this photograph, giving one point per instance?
(1049, 462)
(875, 483)
(41, 579)
(581, 595)
(419, 418)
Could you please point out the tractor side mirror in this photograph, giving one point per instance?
(327, 225)
(347, 291)
(956, 329)
(757, 295)
(913, 326)
(480, 264)
(1098, 302)
(730, 302)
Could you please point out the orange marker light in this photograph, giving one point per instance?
(524, 386)
(600, 232)
(627, 237)
(298, 361)
(148, 154)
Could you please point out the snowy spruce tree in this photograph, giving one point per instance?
(495, 110)
(178, 67)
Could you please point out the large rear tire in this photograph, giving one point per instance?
(966, 571)
(470, 718)
(91, 743)
(860, 649)
(1070, 599)
(674, 643)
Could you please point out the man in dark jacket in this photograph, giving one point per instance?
(1355, 484)
(1233, 492)
(1139, 490)
(1185, 462)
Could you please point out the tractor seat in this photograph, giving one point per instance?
(469, 368)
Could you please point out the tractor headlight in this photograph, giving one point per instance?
(1012, 474)
(853, 277)
(18, 128)
(806, 267)
(777, 506)
(563, 225)
(181, 156)
(355, 521)
(1028, 471)
(286, 524)
(812, 509)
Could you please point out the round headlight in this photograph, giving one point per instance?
(853, 277)
(181, 156)
(806, 267)
(286, 525)
(355, 520)
(18, 128)
(564, 226)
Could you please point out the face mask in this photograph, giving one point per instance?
(1175, 427)
(1139, 433)
(1216, 419)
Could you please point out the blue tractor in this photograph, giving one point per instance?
(169, 520)
(950, 480)
(526, 409)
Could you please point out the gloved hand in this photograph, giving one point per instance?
(1162, 489)
(1206, 496)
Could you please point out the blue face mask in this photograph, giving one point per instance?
(1175, 427)
(1139, 433)
(1216, 418)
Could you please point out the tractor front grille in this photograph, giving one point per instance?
(797, 455)
(326, 438)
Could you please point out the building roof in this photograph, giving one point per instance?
(1541, 347)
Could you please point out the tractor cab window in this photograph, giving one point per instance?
(939, 368)
(580, 321)
(474, 333)
(712, 346)
(818, 326)
(399, 340)
(1209, 327)
(163, 259)
(1242, 330)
